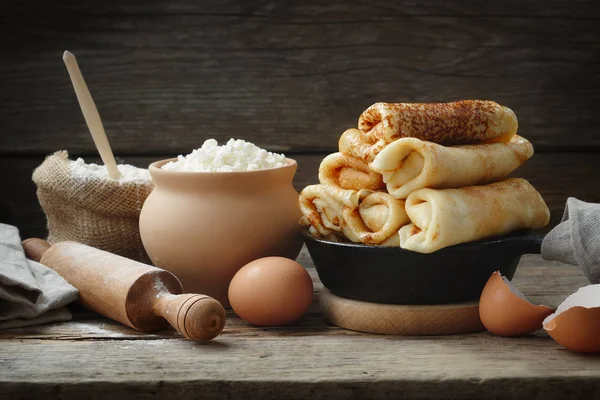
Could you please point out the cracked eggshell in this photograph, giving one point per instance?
(576, 323)
(505, 311)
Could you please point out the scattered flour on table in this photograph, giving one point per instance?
(95, 329)
(235, 156)
(130, 174)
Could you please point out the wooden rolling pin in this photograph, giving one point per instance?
(135, 294)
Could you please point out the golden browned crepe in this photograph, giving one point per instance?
(464, 121)
(361, 216)
(347, 172)
(409, 164)
(353, 143)
(444, 217)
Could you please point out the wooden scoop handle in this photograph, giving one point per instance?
(195, 316)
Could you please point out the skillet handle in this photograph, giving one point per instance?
(528, 243)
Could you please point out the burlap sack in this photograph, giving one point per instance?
(102, 213)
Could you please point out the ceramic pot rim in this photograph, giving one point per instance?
(156, 168)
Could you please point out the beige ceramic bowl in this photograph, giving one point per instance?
(205, 226)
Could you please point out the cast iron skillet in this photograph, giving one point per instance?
(392, 275)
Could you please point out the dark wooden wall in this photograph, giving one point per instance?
(291, 76)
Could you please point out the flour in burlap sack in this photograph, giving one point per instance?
(90, 208)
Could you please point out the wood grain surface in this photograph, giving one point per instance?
(290, 76)
(394, 319)
(302, 11)
(555, 175)
(95, 358)
(130, 292)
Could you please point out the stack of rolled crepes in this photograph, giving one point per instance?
(424, 177)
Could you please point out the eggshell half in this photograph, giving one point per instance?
(505, 311)
(576, 323)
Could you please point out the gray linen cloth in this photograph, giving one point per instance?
(576, 240)
(30, 293)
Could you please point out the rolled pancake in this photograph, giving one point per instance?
(347, 172)
(409, 164)
(459, 122)
(322, 208)
(444, 217)
(360, 216)
(353, 143)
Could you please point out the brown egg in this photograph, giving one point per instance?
(576, 323)
(505, 311)
(271, 291)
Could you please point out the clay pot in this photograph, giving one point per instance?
(205, 226)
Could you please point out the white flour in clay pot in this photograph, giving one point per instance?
(130, 174)
(235, 156)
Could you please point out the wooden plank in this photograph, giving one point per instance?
(556, 175)
(91, 326)
(290, 367)
(69, 360)
(291, 77)
(293, 368)
(543, 282)
(316, 11)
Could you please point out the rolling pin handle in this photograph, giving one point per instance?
(195, 316)
(35, 248)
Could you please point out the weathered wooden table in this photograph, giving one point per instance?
(92, 357)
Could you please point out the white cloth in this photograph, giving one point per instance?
(30, 293)
(576, 240)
